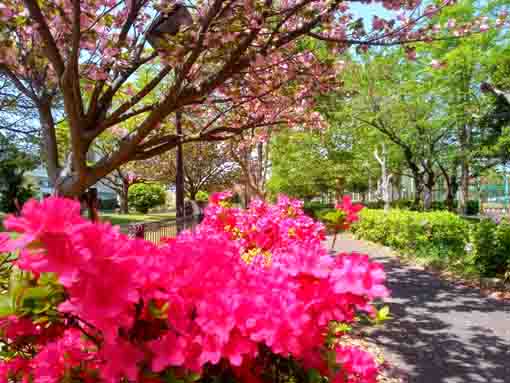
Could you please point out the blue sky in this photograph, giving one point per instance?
(367, 11)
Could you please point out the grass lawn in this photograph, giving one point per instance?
(126, 219)
(122, 219)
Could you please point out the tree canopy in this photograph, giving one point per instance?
(229, 66)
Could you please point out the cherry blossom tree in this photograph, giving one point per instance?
(251, 153)
(208, 166)
(237, 65)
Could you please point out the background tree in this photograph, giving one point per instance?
(146, 196)
(14, 163)
(207, 166)
(236, 65)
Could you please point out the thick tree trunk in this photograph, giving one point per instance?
(49, 141)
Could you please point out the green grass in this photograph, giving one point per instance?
(126, 219)
(121, 219)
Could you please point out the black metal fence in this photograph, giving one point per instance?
(155, 231)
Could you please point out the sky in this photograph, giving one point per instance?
(367, 11)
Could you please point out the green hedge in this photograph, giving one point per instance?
(441, 237)
(316, 209)
(472, 207)
(415, 231)
(491, 247)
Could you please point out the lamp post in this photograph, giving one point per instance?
(179, 174)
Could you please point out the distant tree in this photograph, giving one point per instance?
(146, 196)
(235, 65)
(14, 163)
(208, 166)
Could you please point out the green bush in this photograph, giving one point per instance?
(491, 247)
(472, 207)
(202, 196)
(415, 232)
(317, 209)
(146, 196)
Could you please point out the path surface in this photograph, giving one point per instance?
(440, 333)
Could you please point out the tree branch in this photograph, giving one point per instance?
(51, 48)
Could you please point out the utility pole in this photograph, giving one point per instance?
(179, 175)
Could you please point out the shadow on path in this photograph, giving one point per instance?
(439, 332)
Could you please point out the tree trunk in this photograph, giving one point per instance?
(124, 201)
(451, 192)
(450, 197)
(464, 187)
(418, 190)
(385, 183)
(49, 141)
(465, 141)
(428, 192)
(192, 194)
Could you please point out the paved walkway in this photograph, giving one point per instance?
(440, 332)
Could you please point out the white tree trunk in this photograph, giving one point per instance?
(385, 181)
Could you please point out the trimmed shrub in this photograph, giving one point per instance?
(491, 247)
(414, 231)
(146, 196)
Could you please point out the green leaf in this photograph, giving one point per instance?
(314, 376)
(383, 314)
(5, 306)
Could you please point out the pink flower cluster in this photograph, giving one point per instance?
(244, 279)
(350, 210)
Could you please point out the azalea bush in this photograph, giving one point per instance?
(250, 296)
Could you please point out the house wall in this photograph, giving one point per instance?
(39, 178)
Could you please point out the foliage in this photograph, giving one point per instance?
(415, 232)
(145, 196)
(482, 247)
(301, 165)
(491, 247)
(316, 209)
(230, 67)
(472, 207)
(223, 303)
(343, 216)
(13, 165)
(207, 166)
(202, 196)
